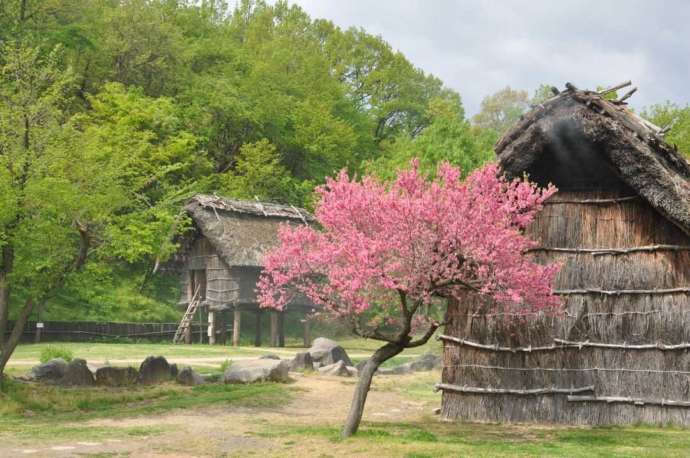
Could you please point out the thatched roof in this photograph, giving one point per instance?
(633, 148)
(242, 231)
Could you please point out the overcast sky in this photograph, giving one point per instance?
(478, 47)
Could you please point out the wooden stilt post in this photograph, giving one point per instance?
(211, 327)
(257, 331)
(307, 337)
(236, 322)
(281, 329)
(223, 327)
(188, 334)
(274, 328)
(201, 325)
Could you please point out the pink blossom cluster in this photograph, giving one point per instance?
(415, 237)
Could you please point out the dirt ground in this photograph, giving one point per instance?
(318, 401)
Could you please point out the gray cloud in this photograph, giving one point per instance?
(478, 47)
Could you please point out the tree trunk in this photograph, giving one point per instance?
(362, 390)
(16, 335)
(7, 262)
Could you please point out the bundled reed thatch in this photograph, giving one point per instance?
(620, 224)
(230, 240)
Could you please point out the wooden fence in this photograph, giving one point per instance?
(89, 331)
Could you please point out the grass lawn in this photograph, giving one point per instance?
(432, 438)
(132, 353)
(29, 410)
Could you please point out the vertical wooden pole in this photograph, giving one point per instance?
(201, 326)
(307, 337)
(257, 331)
(237, 318)
(188, 334)
(190, 296)
(223, 326)
(274, 328)
(281, 329)
(211, 328)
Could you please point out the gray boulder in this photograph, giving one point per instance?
(257, 370)
(269, 356)
(302, 362)
(426, 362)
(338, 369)
(155, 369)
(77, 373)
(326, 352)
(116, 376)
(50, 372)
(187, 376)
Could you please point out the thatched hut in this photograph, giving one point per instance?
(222, 259)
(620, 223)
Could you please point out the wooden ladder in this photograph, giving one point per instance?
(187, 318)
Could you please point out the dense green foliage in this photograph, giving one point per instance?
(55, 351)
(678, 118)
(112, 114)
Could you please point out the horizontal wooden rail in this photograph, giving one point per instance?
(613, 200)
(612, 251)
(624, 346)
(568, 314)
(628, 400)
(496, 348)
(619, 292)
(530, 392)
(562, 344)
(563, 369)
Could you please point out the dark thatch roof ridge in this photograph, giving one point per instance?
(249, 207)
(633, 146)
(242, 231)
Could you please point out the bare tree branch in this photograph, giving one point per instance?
(425, 338)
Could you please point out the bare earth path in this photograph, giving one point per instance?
(318, 401)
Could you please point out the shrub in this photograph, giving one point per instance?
(225, 366)
(52, 352)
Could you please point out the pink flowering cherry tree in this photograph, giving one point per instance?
(385, 256)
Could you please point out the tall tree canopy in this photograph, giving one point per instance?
(122, 110)
(676, 118)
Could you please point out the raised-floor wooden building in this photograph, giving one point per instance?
(221, 260)
(620, 224)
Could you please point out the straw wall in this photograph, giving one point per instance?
(621, 352)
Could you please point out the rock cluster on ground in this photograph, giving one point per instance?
(339, 369)
(302, 362)
(187, 376)
(77, 373)
(49, 372)
(426, 362)
(257, 370)
(153, 370)
(325, 356)
(325, 352)
(156, 369)
(116, 376)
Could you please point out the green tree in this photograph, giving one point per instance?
(259, 174)
(33, 92)
(500, 111)
(677, 117)
(100, 186)
(448, 137)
